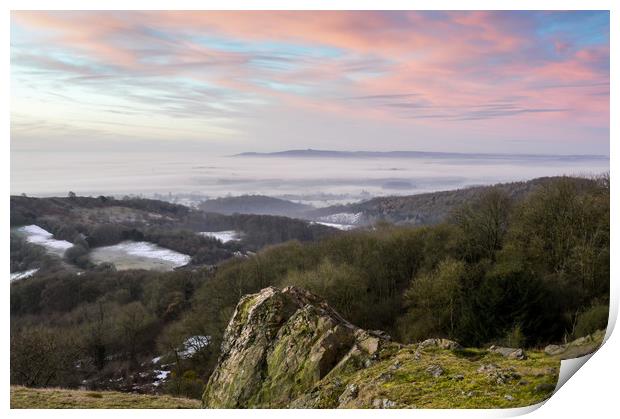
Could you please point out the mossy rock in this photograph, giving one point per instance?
(278, 345)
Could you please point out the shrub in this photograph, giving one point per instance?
(78, 255)
(591, 320)
(341, 285)
(188, 385)
(433, 302)
(514, 338)
(42, 357)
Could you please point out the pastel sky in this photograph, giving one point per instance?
(515, 82)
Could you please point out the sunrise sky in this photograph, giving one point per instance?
(514, 82)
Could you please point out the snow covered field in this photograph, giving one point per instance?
(223, 236)
(15, 276)
(139, 255)
(338, 226)
(36, 235)
(341, 220)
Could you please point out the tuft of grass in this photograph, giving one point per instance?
(56, 398)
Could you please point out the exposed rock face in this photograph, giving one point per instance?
(439, 343)
(435, 370)
(577, 348)
(554, 349)
(512, 353)
(498, 375)
(278, 344)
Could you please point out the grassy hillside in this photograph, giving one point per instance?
(55, 398)
(440, 379)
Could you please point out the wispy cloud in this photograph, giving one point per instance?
(219, 70)
(387, 96)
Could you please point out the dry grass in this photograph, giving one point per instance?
(55, 398)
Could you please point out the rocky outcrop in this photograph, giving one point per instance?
(289, 348)
(579, 347)
(439, 343)
(279, 344)
(512, 353)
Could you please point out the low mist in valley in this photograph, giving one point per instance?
(318, 181)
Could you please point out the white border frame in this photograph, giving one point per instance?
(591, 393)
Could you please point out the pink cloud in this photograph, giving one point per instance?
(458, 63)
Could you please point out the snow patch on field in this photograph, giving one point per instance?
(338, 226)
(152, 251)
(139, 255)
(223, 236)
(15, 276)
(341, 220)
(37, 235)
(348, 218)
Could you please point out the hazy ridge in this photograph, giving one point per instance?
(411, 154)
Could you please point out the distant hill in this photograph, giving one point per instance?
(423, 209)
(311, 153)
(254, 204)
